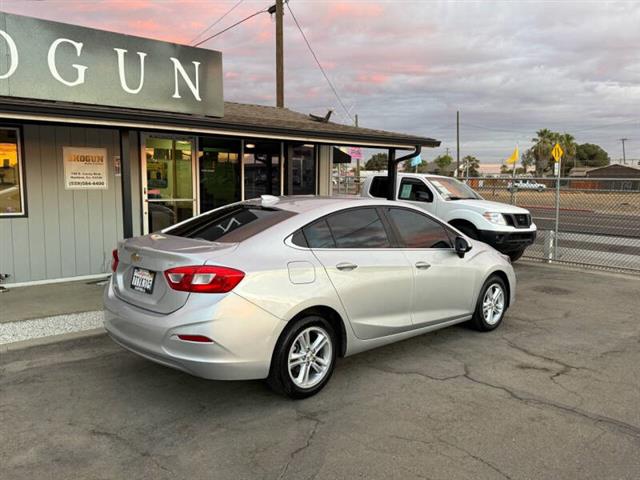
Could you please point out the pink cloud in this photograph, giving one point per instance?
(373, 78)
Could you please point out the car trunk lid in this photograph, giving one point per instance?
(139, 278)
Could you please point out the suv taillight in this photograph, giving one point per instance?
(114, 260)
(203, 279)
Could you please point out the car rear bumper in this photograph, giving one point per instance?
(243, 335)
(508, 241)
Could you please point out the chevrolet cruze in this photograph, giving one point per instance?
(278, 288)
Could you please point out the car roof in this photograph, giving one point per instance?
(308, 203)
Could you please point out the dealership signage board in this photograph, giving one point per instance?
(85, 168)
(55, 61)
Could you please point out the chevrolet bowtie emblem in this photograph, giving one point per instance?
(135, 258)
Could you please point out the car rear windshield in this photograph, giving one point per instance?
(231, 224)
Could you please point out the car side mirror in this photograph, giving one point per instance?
(461, 246)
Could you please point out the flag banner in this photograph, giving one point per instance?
(415, 161)
(513, 159)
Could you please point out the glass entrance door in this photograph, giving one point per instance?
(168, 181)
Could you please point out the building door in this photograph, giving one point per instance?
(168, 180)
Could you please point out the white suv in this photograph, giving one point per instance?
(506, 228)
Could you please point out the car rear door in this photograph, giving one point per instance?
(373, 280)
(444, 283)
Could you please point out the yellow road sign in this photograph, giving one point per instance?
(557, 152)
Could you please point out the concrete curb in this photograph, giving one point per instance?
(42, 341)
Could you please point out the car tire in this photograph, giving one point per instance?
(298, 371)
(487, 302)
(540, 189)
(515, 255)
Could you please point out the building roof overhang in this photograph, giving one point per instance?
(239, 120)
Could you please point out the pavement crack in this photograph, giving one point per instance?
(129, 445)
(417, 373)
(566, 366)
(306, 445)
(475, 457)
(623, 427)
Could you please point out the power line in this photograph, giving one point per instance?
(230, 27)
(315, 57)
(217, 21)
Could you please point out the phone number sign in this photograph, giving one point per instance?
(85, 168)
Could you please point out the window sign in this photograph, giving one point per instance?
(85, 168)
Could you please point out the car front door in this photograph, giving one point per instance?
(373, 280)
(444, 283)
(417, 193)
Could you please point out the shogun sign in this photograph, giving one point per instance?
(55, 61)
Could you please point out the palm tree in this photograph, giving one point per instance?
(570, 147)
(541, 149)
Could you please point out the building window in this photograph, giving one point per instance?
(219, 168)
(11, 181)
(301, 171)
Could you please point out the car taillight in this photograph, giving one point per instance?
(114, 260)
(203, 279)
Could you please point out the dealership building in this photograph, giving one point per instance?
(106, 136)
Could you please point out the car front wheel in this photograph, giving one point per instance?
(304, 358)
(491, 305)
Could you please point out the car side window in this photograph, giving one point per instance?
(355, 228)
(379, 187)
(417, 230)
(414, 190)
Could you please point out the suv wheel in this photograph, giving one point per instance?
(515, 255)
(491, 305)
(304, 358)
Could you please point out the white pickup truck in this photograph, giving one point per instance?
(506, 228)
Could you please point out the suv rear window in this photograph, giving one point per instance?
(379, 186)
(231, 224)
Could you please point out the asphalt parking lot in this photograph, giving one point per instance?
(553, 393)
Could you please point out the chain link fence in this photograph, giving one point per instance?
(592, 222)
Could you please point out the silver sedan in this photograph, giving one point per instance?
(278, 288)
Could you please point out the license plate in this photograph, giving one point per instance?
(142, 280)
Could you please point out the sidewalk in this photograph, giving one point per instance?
(47, 310)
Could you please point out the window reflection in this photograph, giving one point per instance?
(219, 164)
(261, 168)
(301, 172)
(10, 173)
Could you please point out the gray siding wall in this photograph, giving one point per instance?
(67, 232)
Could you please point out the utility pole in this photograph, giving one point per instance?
(458, 143)
(357, 159)
(279, 55)
(624, 155)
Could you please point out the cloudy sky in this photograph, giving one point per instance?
(510, 68)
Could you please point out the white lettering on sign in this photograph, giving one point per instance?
(195, 89)
(13, 54)
(123, 80)
(51, 60)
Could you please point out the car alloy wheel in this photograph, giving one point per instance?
(493, 304)
(310, 357)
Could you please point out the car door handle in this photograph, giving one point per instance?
(423, 265)
(346, 266)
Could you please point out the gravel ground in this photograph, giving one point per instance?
(44, 327)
